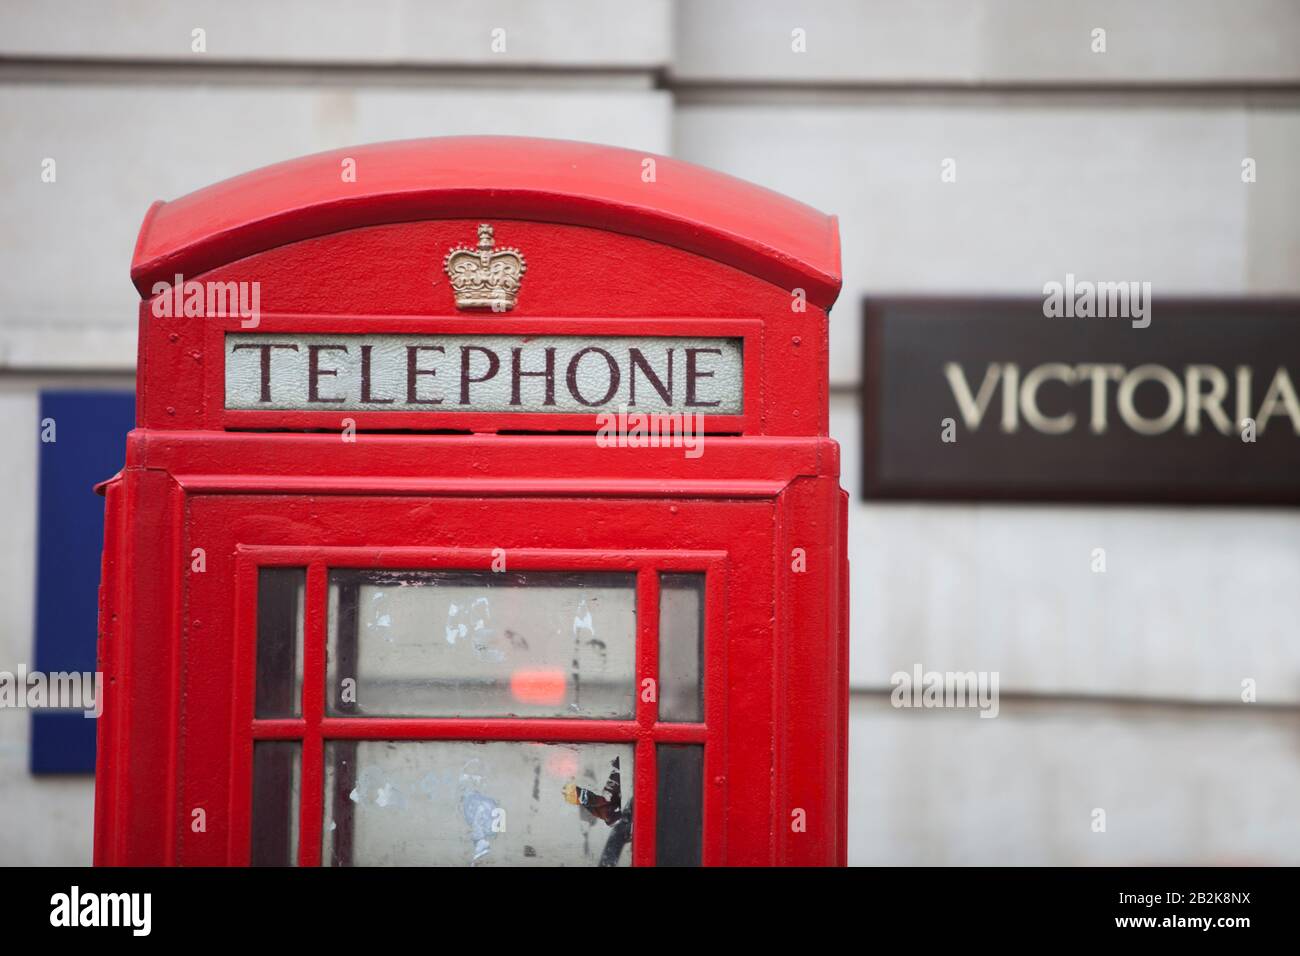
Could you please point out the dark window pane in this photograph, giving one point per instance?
(276, 788)
(279, 640)
(679, 832)
(681, 645)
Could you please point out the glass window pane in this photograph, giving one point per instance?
(280, 594)
(679, 834)
(681, 647)
(277, 786)
(462, 803)
(481, 644)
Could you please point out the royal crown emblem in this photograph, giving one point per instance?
(486, 277)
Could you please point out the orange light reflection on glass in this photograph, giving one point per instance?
(546, 685)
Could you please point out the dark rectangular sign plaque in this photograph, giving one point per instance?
(993, 399)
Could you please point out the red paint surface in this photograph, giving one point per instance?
(693, 254)
(496, 177)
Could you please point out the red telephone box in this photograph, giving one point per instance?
(481, 509)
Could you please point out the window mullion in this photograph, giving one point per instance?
(645, 787)
(313, 711)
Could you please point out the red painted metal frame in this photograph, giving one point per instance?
(693, 254)
(787, 731)
(645, 730)
(314, 727)
(750, 331)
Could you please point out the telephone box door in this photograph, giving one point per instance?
(510, 680)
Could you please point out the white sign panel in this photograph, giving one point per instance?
(484, 373)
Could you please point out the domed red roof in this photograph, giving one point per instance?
(705, 212)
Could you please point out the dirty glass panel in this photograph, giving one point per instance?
(462, 803)
(481, 644)
(681, 647)
(679, 836)
(280, 594)
(277, 785)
